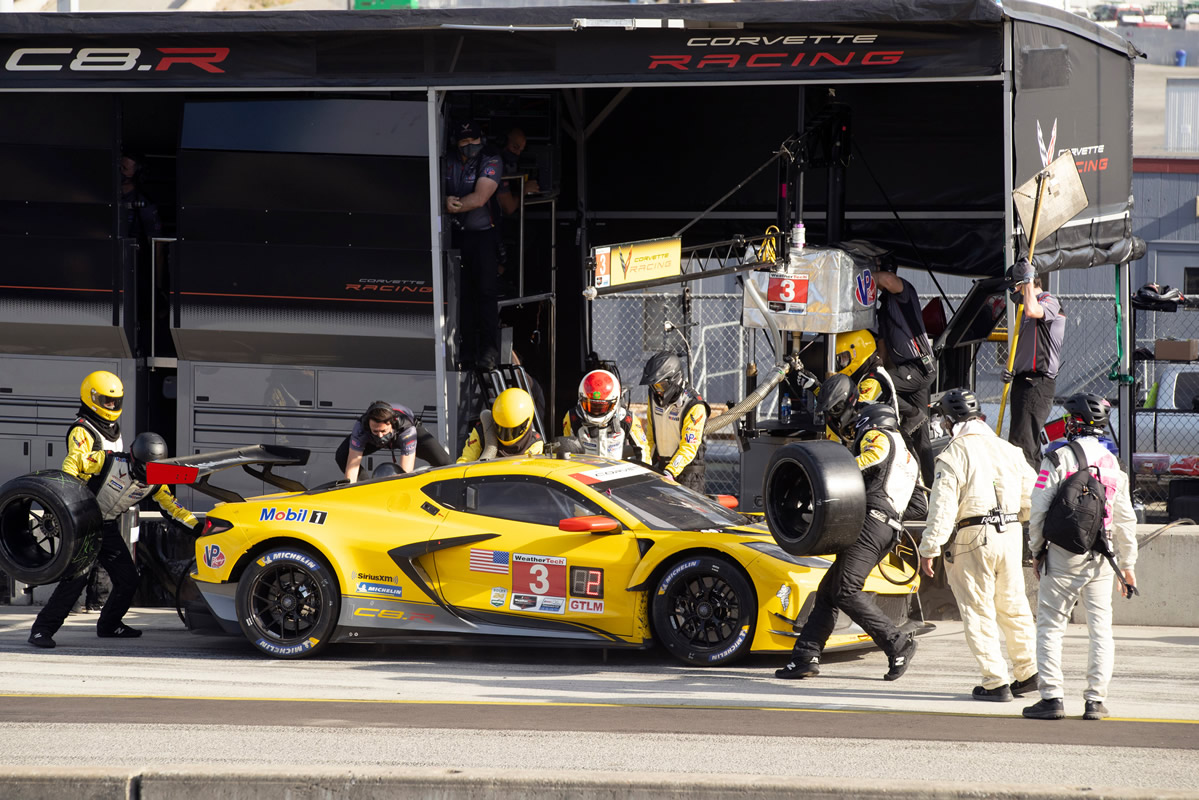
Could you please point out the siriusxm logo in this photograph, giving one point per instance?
(293, 515)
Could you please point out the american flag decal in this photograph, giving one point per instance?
(489, 561)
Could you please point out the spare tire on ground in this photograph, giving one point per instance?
(49, 527)
(814, 497)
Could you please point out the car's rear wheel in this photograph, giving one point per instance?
(49, 527)
(704, 611)
(288, 602)
(814, 498)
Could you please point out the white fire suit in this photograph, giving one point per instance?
(1067, 577)
(981, 489)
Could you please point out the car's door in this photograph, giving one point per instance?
(530, 572)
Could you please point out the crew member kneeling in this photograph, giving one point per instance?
(391, 427)
(118, 481)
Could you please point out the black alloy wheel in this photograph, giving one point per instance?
(49, 527)
(288, 602)
(704, 611)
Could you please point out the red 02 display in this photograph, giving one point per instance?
(586, 582)
(540, 575)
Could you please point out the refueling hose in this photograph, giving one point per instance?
(778, 371)
(488, 428)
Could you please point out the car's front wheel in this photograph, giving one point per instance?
(704, 611)
(288, 602)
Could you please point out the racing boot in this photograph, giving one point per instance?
(1095, 710)
(1046, 709)
(119, 632)
(40, 639)
(900, 660)
(800, 667)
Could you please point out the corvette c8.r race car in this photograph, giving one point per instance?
(548, 551)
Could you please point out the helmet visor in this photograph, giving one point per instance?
(105, 401)
(597, 408)
(843, 359)
(508, 435)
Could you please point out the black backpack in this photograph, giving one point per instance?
(1075, 518)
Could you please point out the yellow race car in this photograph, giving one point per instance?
(569, 551)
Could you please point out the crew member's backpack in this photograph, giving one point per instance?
(1075, 518)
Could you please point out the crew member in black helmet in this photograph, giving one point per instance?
(392, 427)
(675, 423)
(890, 472)
(119, 483)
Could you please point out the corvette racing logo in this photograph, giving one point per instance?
(774, 52)
(1088, 159)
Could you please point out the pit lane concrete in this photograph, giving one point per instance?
(173, 715)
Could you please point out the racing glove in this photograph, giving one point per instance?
(1022, 272)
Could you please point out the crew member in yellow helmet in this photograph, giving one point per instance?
(98, 425)
(858, 358)
(509, 426)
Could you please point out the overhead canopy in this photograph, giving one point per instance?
(1071, 86)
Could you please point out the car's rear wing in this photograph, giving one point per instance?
(196, 469)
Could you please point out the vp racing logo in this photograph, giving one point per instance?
(213, 557)
(115, 59)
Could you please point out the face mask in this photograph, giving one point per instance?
(469, 151)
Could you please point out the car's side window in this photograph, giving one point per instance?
(447, 493)
(525, 500)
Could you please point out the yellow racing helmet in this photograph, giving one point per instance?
(103, 393)
(853, 349)
(512, 413)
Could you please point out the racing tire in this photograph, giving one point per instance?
(49, 527)
(288, 602)
(814, 498)
(704, 611)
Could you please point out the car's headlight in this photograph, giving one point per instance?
(774, 551)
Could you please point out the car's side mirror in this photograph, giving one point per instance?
(726, 500)
(589, 524)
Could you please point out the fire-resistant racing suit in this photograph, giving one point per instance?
(890, 473)
(1067, 577)
(109, 476)
(980, 492)
(675, 437)
(622, 438)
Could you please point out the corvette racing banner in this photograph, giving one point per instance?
(637, 262)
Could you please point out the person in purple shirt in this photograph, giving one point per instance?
(472, 178)
(1038, 358)
(391, 427)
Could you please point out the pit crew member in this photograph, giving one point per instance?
(509, 431)
(601, 423)
(392, 427)
(890, 473)
(118, 481)
(980, 493)
(1065, 577)
(675, 422)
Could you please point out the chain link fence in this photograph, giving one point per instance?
(628, 328)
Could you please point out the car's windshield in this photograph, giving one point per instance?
(665, 505)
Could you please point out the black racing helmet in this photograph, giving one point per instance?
(959, 405)
(663, 375)
(146, 447)
(876, 417)
(1086, 414)
(837, 398)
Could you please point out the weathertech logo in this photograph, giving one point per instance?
(114, 59)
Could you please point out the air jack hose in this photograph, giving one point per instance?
(1114, 374)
